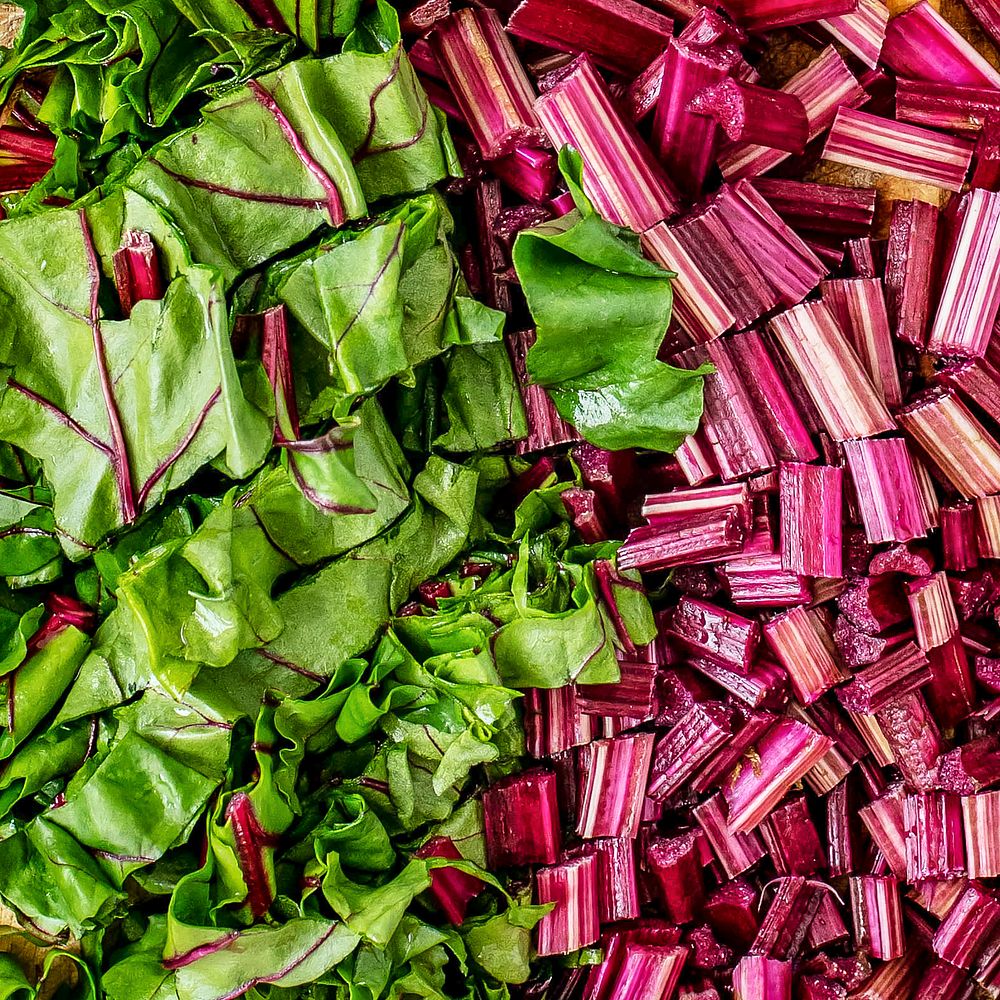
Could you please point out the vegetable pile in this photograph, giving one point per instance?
(500, 501)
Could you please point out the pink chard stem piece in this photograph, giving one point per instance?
(859, 139)
(620, 175)
(490, 84)
(137, 271)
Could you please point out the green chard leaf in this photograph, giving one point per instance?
(240, 203)
(132, 407)
(601, 310)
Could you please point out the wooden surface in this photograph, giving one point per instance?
(11, 18)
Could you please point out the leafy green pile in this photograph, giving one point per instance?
(226, 727)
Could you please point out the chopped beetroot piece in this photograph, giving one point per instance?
(884, 821)
(765, 686)
(760, 15)
(774, 405)
(909, 270)
(954, 441)
(934, 836)
(719, 769)
(648, 971)
(643, 92)
(546, 429)
(933, 609)
(802, 642)
(857, 648)
(675, 864)
(907, 560)
(981, 821)
(452, 889)
(970, 768)
(699, 538)
(731, 910)
(974, 594)
(841, 836)
(914, 737)
(969, 927)
(764, 977)
(920, 44)
(553, 722)
(528, 172)
(600, 984)
(786, 922)
(586, 514)
(620, 34)
(521, 817)
(620, 175)
(945, 106)
(827, 926)
(842, 391)
(811, 504)
(878, 916)
(988, 526)
(630, 697)
(683, 139)
(987, 669)
(707, 952)
(970, 295)
(943, 982)
(574, 921)
(951, 693)
(874, 604)
(892, 676)
(786, 752)
(898, 978)
(748, 113)
(859, 305)
(613, 775)
(687, 747)
(740, 443)
(792, 840)
(736, 852)
(860, 139)
(482, 70)
(887, 489)
(861, 31)
(715, 633)
(618, 893)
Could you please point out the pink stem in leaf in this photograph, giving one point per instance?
(137, 270)
(60, 415)
(265, 14)
(251, 843)
(21, 176)
(27, 145)
(277, 359)
(452, 889)
(161, 470)
(119, 449)
(202, 951)
(334, 202)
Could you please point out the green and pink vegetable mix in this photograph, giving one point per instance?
(249, 407)
(494, 506)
